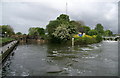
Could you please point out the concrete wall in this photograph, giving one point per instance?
(8, 51)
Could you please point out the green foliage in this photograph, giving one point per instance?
(92, 32)
(99, 38)
(63, 18)
(79, 26)
(6, 29)
(52, 26)
(85, 29)
(108, 33)
(24, 34)
(60, 29)
(41, 31)
(18, 33)
(4, 40)
(76, 25)
(36, 31)
(33, 31)
(100, 29)
(88, 40)
(85, 40)
(70, 28)
(62, 32)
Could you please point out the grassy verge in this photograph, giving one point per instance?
(4, 41)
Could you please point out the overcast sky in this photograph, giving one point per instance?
(22, 15)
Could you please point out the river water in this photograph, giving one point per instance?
(35, 59)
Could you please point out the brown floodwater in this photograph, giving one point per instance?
(34, 59)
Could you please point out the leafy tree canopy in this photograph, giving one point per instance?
(100, 29)
(84, 29)
(36, 31)
(57, 28)
(92, 32)
(62, 32)
(99, 38)
(76, 25)
(6, 29)
(18, 33)
(63, 18)
(108, 33)
(52, 26)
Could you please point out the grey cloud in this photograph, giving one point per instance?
(97, 15)
(22, 15)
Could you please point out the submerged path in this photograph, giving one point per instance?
(5, 50)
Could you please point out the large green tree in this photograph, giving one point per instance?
(7, 30)
(52, 26)
(80, 27)
(76, 24)
(36, 31)
(33, 31)
(108, 33)
(92, 32)
(61, 28)
(63, 18)
(100, 29)
(18, 33)
(99, 38)
(41, 31)
(62, 32)
(84, 29)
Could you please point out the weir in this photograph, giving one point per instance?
(117, 38)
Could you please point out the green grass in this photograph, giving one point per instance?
(4, 40)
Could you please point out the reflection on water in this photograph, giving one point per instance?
(34, 59)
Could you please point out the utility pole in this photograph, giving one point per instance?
(66, 8)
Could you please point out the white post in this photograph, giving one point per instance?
(72, 41)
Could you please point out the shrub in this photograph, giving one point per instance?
(86, 39)
(98, 38)
(92, 32)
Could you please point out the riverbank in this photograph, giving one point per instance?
(4, 41)
(6, 50)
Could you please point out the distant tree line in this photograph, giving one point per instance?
(59, 30)
(36, 31)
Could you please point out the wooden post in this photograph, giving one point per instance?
(72, 41)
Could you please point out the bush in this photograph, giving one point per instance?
(98, 38)
(92, 32)
(86, 39)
